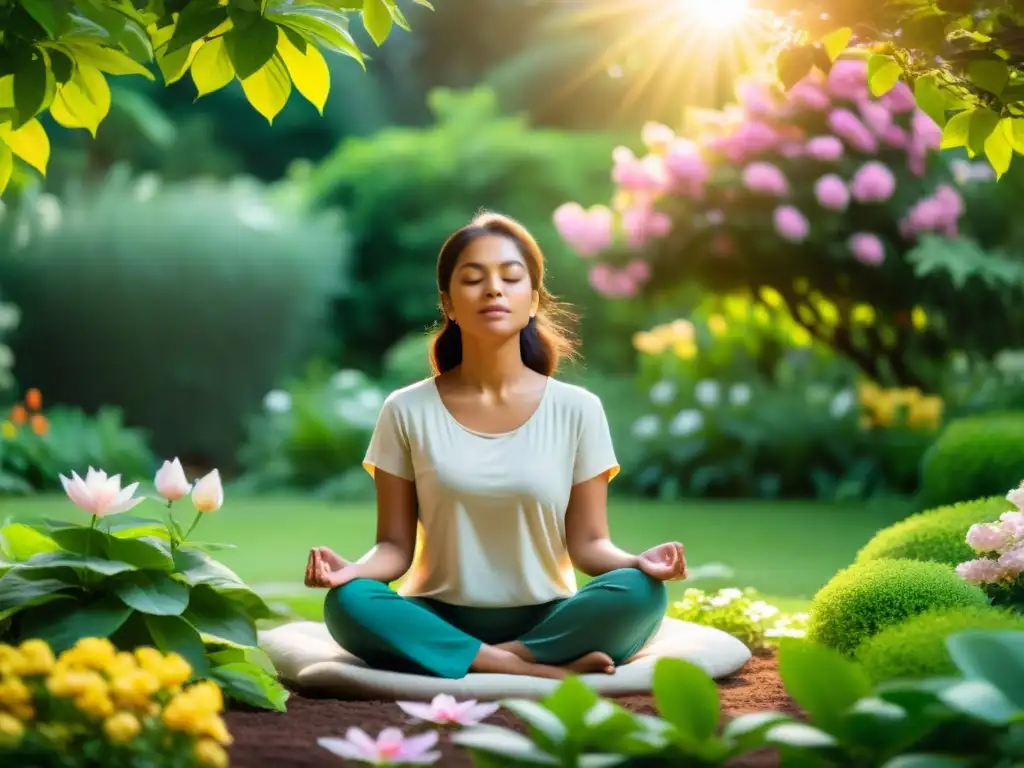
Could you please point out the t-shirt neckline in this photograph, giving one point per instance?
(491, 435)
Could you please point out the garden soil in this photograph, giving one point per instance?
(288, 740)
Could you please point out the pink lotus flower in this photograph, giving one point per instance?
(765, 178)
(809, 95)
(873, 183)
(98, 494)
(617, 283)
(687, 169)
(390, 748)
(831, 192)
(642, 223)
(208, 493)
(656, 137)
(845, 124)
(827, 149)
(980, 571)
(637, 175)
(867, 248)
(587, 231)
(987, 538)
(848, 79)
(790, 224)
(900, 99)
(445, 710)
(170, 481)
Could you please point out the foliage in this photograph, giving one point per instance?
(406, 189)
(407, 361)
(93, 705)
(865, 598)
(741, 613)
(57, 55)
(973, 457)
(962, 59)
(999, 546)
(219, 303)
(917, 647)
(935, 535)
(969, 720)
(313, 434)
(828, 197)
(140, 582)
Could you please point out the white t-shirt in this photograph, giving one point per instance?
(492, 506)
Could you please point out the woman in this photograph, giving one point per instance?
(505, 472)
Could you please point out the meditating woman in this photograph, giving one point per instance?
(504, 471)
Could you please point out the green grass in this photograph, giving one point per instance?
(787, 550)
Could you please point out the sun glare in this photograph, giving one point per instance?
(714, 14)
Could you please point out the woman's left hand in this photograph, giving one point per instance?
(665, 562)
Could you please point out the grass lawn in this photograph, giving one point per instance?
(787, 550)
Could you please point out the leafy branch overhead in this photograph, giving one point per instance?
(963, 58)
(56, 56)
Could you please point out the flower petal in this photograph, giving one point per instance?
(362, 741)
(427, 758)
(418, 745)
(417, 709)
(343, 748)
(478, 712)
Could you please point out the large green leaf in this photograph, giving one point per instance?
(215, 614)
(219, 656)
(687, 698)
(64, 624)
(996, 657)
(148, 552)
(198, 19)
(326, 27)
(153, 592)
(822, 681)
(81, 564)
(196, 568)
(20, 542)
(172, 634)
(250, 684)
(22, 588)
(252, 47)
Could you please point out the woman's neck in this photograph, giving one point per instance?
(491, 369)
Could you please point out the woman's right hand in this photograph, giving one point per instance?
(325, 568)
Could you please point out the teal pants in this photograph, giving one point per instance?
(616, 613)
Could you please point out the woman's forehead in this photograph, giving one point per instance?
(491, 250)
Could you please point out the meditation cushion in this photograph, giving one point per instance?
(306, 655)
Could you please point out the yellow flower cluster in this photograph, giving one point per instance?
(678, 337)
(120, 694)
(884, 408)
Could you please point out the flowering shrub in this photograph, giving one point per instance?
(95, 705)
(741, 613)
(824, 184)
(1000, 545)
(138, 581)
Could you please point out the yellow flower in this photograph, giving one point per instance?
(884, 409)
(174, 671)
(135, 688)
(863, 314)
(89, 653)
(36, 658)
(9, 430)
(150, 659)
(71, 683)
(717, 325)
(10, 660)
(95, 703)
(121, 664)
(926, 412)
(868, 393)
(648, 343)
(801, 336)
(210, 753)
(11, 729)
(213, 727)
(14, 693)
(122, 727)
(771, 297)
(208, 694)
(183, 713)
(684, 350)
(919, 318)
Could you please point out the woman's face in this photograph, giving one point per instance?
(491, 293)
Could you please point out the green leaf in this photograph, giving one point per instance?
(822, 681)
(747, 730)
(66, 623)
(147, 552)
(990, 75)
(492, 739)
(998, 149)
(32, 81)
(251, 685)
(82, 102)
(152, 592)
(106, 60)
(1015, 133)
(799, 735)
(957, 130)
(268, 90)
(237, 655)
(570, 702)
(308, 71)
(30, 143)
(544, 723)
(983, 123)
(198, 19)
(883, 74)
(252, 48)
(6, 166)
(687, 698)
(424, 3)
(931, 98)
(996, 657)
(925, 761)
(794, 63)
(218, 616)
(52, 15)
(80, 564)
(197, 568)
(173, 634)
(211, 68)
(20, 589)
(980, 699)
(377, 20)
(20, 542)
(835, 42)
(326, 27)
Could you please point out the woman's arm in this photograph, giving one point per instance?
(586, 530)
(397, 515)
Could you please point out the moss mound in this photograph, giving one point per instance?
(936, 535)
(917, 647)
(862, 600)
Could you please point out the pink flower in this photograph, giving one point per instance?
(1013, 523)
(642, 223)
(848, 79)
(899, 99)
(896, 137)
(987, 538)
(390, 748)
(749, 139)
(791, 224)
(926, 132)
(809, 95)
(445, 710)
(1016, 497)
(867, 248)
(612, 282)
(686, 168)
(765, 178)
(98, 494)
(638, 270)
(831, 192)
(845, 124)
(1012, 563)
(827, 149)
(636, 175)
(950, 200)
(873, 183)
(980, 571)
(656, 136)
(587, 231)
(756, 98)
(791, 149)
(926, 215)
(875, 116)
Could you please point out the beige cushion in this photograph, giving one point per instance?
(305, 654)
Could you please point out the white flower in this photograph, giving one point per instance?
(646, 427)
(707, 392)
(739, 394)
(686, 423)
(1016, 497)
(277, 401)
(170, 481)
(841, 403)
(731, 593)
(663, 392)
(208, 493)
(760, 610)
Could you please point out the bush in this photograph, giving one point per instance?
(917, 647)
(974, 457)
(863, 599)
(936, 535)
(190, 299)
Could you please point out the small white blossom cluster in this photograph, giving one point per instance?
(708, 394)
(741, 613)
(355, 399)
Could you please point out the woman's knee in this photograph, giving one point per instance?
(346, 606)
(636, 589)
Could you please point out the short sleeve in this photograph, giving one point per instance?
(389, 445)
(595, 453)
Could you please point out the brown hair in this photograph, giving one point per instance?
(545, 340)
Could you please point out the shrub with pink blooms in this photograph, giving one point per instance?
(823, 185)
(1000, 548)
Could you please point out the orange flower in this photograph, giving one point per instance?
(34, 399)
(39, 424)
(18, 415)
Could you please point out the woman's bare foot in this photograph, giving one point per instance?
(502, 662)
(594, 663)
